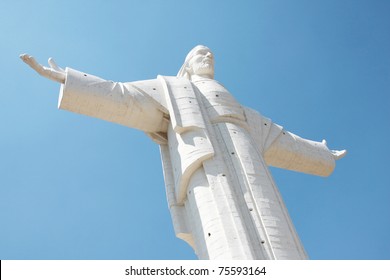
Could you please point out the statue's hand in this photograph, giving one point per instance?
(338, 154)
(53, 72)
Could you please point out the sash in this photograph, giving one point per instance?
(188, 140)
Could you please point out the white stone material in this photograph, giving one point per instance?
(215, 154)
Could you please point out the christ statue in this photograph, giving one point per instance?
(215, 154)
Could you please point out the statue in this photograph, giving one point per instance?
(215, 155)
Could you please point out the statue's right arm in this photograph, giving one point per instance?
(124, 103)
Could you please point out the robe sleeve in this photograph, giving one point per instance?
(286, 150)
(292, 152)
(121, 103)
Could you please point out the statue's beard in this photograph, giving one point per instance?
(204, 68)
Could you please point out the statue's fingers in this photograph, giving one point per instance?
(30, 60)
(54, 65)
(25, 57)
(339, 154)
(342, 153)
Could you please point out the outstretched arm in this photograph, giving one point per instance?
(53, 72)
(292, 152)
(122, 103)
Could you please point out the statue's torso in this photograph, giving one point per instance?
(231, 191)
(219, 103)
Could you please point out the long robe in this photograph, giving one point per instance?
(215, 154)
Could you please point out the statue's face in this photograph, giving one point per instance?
(202, 63)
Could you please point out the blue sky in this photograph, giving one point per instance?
(74, 187)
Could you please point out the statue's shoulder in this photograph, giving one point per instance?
(174, 84)
(172, 79)
(149, 86)
(151, 89)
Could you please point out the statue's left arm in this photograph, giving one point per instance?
(286, 150)
(292, 152)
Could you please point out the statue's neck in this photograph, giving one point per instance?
(196, 78)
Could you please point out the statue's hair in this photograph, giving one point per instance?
(183, 70)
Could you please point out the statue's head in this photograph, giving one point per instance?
(199, 61)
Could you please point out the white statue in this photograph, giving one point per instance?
(215, 152)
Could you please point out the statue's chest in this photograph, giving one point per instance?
(219, 103)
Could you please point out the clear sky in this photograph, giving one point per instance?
(74, 187)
